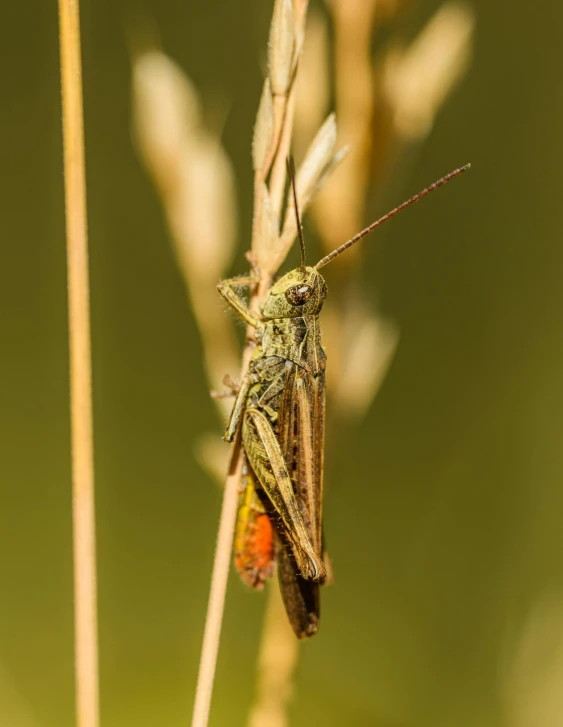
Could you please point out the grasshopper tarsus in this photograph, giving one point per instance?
(222, 394)
(232, 389)
(229, 383)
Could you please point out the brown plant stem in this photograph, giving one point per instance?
(86, 647)
(217, 592)
(279, 654)
(274, 162)
(221, 565)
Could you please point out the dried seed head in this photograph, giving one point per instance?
(300, 10)
(337, 157)
(363, 345)
(202, 211)
(366, 364)
(281, 47)
(268, 232)
(191, 169)
(317, 158)
(166, 107)
(319, 161)
(264, 129)
(300, 14)
(418, 80)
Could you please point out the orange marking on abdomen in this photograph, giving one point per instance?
(254, 547)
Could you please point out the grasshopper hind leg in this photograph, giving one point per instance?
(266, 459)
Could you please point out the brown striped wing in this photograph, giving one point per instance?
(301, 436)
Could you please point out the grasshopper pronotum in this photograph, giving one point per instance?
(280, 406)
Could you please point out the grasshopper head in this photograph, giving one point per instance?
(299, 293)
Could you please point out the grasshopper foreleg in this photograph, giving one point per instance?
(227, 288)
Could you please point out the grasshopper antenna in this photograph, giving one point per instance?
(291, 173)
(328, 258)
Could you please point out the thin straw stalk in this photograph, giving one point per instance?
(86, 647)
(277, 150)
(220, 573)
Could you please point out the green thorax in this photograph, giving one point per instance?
(291, 328)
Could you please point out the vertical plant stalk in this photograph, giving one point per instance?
(217, 592)
(276, 149)
(220, 574)
(279, 654)
(85, 619)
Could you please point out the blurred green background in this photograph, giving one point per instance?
(444, 507)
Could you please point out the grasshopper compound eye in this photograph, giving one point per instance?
(298, 294)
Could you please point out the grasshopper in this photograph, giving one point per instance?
(280, 412)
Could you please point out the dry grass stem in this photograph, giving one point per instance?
(279, 653)
(275, 138)
(86, 643)
(217, 592)
(279, 52)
